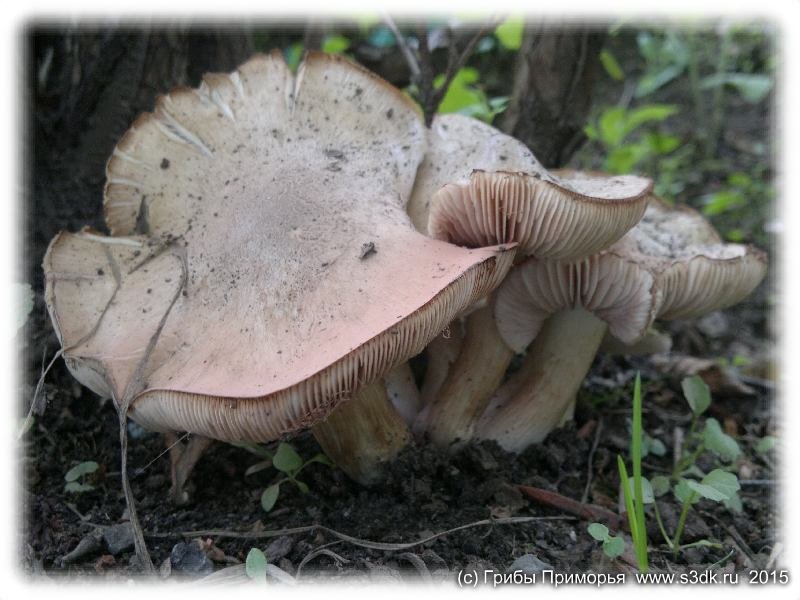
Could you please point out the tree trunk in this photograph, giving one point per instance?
(552, 90)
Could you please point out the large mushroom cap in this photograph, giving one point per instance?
(262, 266)
(564, 217)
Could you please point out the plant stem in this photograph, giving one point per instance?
(661, 527)
(681, 522)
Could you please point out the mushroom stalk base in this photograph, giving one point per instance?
(363, 433)
(470, 382)
(183, 458)
(538, 397)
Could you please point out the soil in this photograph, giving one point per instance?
(426, 490)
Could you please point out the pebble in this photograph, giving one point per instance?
(529, 564)
(118, 538)
(189, 559)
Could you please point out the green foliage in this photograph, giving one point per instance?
(77, 477)
(466, 96)
(613, 546)
(753, 88)
(633, 488)
(719, 442)
(766, 444)
(335, 44)
(666, 57)
(696, 393)
(611, 65)
(286, 460)
(509, 33)
(628, 138)
(256, 565)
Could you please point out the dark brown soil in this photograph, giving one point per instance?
(426, 490)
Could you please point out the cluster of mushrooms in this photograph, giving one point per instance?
(282, 244)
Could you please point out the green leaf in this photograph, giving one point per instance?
(598, 531)
(254, 448)
(321, 459)
(301, 486)
(719, 442)
(81, 469)
(734, 503)
(649, 113)
(661, 143)
(752, 87)
(256, 565)
(264, 464)
(509, 33)
(270, 496)
(461, 96)
(696, 393)
(648, 496)
(76, 487)
(622, 159)
(660, 485)
(335, 44)
(651, 445)
(682, 491)
(286, 459)
(611, 66)
(293, 54)
(719, 202)
(766, 444)
(613, 546)
(718, 485)
(652, 81)
(611, 126)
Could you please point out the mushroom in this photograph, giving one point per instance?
(261, 269)
(672, 265)
(560, 218)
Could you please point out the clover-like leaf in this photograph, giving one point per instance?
(719, 442)
(598, 531)
(256, 565)
(81, 469)
(696, 393)
(660, 485)
(270, 496)
(718, 485)
(286, 458)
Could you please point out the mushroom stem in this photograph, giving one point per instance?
(470, 382)
(403, 392)
(440, 355)
(535, 400)
(362, 433)
(183, 458)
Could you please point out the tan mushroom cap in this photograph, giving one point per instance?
(457, 145)
(563, 217)
(275, 270)
(697, 272)
(672, 265)
(611, 286)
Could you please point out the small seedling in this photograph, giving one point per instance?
(718, 486)
(613, 546)
(290, 463)
(633, 488)
(77, 477)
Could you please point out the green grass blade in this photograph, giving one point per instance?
(640, 542)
